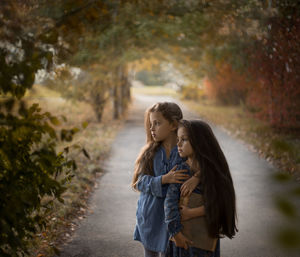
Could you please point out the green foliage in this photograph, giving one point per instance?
(282, 177)
(289, 238)
(286, 207)
(30, 169)
(192, 92)
(289, 235)
(21, 52)
(282, 147)
(150, 78)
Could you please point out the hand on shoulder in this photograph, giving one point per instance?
(175, 176)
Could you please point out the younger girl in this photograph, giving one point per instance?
(151, 175)
(193, 234)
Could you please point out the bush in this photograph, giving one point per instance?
(30, 169)
(192, 92)
(227, 86)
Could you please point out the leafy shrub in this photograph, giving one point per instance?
(192, 92)
(30, 168)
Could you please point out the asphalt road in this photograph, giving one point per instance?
(107, 231)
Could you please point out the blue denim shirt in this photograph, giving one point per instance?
(151, 229)
(171, 205)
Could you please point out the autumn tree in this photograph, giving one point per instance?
(275, 63)
(30, 166)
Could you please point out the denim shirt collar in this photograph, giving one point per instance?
(164, 154)
(169, 163)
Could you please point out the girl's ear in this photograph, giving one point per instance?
(174, 125)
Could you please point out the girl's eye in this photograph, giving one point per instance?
(182, 140)
(155, 123)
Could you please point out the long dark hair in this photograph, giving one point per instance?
(219, 194)
(144, 163)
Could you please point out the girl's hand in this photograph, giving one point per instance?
(185, 213)
(189, 186)
(182, 241)
(174, 176)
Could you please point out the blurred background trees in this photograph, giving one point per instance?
(234, 52)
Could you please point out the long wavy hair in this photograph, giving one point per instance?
(144, 163)
(219, 193)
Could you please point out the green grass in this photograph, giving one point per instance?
(282, 147)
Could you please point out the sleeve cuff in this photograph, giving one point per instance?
(174, 227)
(156, 186)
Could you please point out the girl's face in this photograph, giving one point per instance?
(185, 149)
(160, 128)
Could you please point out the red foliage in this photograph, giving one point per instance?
(276, 65)
(227, 85)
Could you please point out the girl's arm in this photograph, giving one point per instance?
(175, 176)
(150, 185)
(189, 186)
(191, 213)
(172, 213)
(172, 216)
(154, 185)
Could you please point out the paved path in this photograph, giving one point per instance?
(107, 231)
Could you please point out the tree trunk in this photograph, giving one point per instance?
(121, 91)
(116, 113)
(270, 111)
(116, 94)
(99, 100)
(99, 111)
(125, 89)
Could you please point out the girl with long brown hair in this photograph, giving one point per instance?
(154, 170)
(210, 211)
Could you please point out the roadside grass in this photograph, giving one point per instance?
(96, 139)
(39, 91)
(281, 149)
(154, 90)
